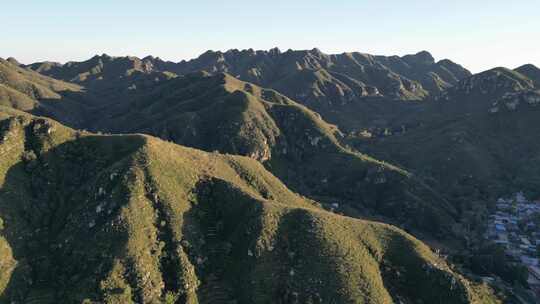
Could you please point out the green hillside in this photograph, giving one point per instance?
(222, 113)
(129, 218)
(21, 88)
(26, 90)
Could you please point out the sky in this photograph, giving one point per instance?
(477, 34)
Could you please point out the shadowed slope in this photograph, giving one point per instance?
(478, 141)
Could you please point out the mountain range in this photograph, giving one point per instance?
(261, 177)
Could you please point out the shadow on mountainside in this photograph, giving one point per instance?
(42, 201)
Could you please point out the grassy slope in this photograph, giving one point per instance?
(121, 219)
(21, 88)
(29, 91)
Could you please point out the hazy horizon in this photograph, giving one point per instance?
(479, 35)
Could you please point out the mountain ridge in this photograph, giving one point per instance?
(242, 63)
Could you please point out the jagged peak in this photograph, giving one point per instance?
(528, 66)
(13, 61)
(502, 71)
(422, 57)
(133, 58)
(317, 51)
(274, 51)
(102, 56)
(446, 61)
(530, 71)
(210, 53)
(47, 63)
(424, 54)
(497, 72)
(497, 81)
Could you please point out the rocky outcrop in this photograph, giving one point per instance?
(532, 72)
(511, 101)
(497, 81)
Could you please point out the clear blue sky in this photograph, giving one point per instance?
(478, 34)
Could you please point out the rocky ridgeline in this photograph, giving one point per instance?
(337, 78)
(309, 76)
(492, 83)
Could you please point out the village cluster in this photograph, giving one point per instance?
(514, 226)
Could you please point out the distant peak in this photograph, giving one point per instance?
(316, 51)
(102, 56)
(422, 57)
(274, 51)
(425, 56)
(530, 71)
(13, 61)
(210, 54)
(446, 61)
(499, 69)
(525, 67)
